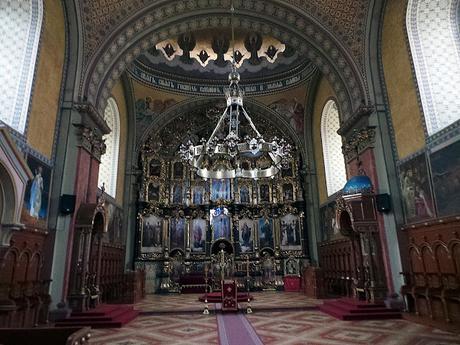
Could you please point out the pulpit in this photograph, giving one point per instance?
(229, 295)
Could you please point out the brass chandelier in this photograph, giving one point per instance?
(231, 156)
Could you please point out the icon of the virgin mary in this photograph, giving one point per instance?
(36, 191)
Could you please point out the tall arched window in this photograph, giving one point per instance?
(432, 28)
(20, 26)
(109, 162)
(334, 163)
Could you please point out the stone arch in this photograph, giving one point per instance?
(158, 21)
(252, 106)
(8, 196)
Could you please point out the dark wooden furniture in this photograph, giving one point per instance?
(46, 336)
(432, 278)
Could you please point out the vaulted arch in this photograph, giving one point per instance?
(160, 20)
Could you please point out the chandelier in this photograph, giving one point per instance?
(230, 156)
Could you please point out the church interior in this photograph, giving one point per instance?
(229, 172)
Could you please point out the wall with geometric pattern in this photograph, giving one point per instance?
(20, 25)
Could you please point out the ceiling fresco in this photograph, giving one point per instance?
(207, 55)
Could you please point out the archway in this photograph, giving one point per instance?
(144, 30)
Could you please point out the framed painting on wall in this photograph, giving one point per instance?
(265, 231)
(36, 196)
(221, 189)
(152, 234)
(220, 223)
(246, 235)
(198, 235)
(416, 190)
(445, 167)
(177, 233)
(290, 230)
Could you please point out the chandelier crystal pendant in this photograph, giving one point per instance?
(231, 156)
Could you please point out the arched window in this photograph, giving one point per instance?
(20, 26)
(334, 163)
(109, 162)
(432, 28)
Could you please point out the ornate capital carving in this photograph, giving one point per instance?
(91, 117)
(358, 142)
(361, 114)
(91, 141)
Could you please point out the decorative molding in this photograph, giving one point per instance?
(91, 141)
(364, 111)
(267, 86)
(90, 114)
(358, 142)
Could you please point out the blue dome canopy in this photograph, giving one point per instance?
(358, 184)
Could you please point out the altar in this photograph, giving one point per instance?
(184, 221)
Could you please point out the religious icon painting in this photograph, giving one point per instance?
(246, 235)
(177, 233)
(290, 233)
(220, 223)
(445, 167)
(416, 190)
(152, 234)
(264, 193)
(287, 171)
(198, 195)
(178, 170)
(288, 192)
(265, 229)
(291, 267)
(244, 195)
(177, 195)
(154, 192)
(221, 189)
(198, 235)
(155, 168)
(36, 196)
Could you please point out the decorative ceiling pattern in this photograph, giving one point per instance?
(278, 19)
(346, 19)
(101, 17)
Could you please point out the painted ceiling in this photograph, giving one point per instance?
(346, 19)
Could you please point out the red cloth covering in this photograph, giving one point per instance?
(291, 284)
(229, 296)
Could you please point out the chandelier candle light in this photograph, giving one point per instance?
(221, 157)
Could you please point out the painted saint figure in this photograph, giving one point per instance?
(36, 191)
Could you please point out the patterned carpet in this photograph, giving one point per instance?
(176, 323)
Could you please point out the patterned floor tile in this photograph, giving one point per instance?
(287, 327)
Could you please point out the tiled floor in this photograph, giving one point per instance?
(178, 320)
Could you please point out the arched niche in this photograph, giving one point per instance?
(14, 175)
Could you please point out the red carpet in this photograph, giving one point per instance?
(104, 316)
(216, 297)
(351, 309)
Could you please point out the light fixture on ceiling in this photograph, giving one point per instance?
(231, 156)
